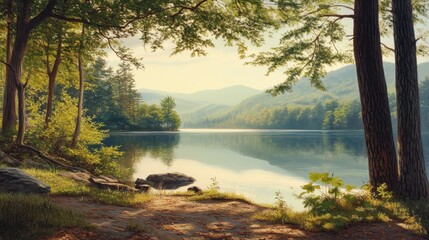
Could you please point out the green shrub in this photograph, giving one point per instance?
(89, 152)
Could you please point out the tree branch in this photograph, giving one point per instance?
(45, 13)
(339, 16)
(10, 67)
(387, 47)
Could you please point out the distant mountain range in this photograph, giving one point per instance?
(191, 102)
(228, 102)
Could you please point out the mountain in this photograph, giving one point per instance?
(341, 85)
(191, 102)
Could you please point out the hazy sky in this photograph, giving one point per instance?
(181, 73)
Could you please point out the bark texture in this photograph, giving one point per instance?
(413, 182)
(52, 74)
(382, 161)
(9, 107)
(81, 90)
(23, 29)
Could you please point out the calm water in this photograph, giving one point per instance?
(255, 163)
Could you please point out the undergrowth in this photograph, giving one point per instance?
(331, 205)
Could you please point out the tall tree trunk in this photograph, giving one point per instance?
(13, 79)
(9, 107)
(382, 161)
(21, 114)
(413, 182)
(81, 90)
(16, 61)
(52, 74)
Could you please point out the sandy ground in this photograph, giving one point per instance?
(174, 217)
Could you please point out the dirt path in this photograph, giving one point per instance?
(172, 217)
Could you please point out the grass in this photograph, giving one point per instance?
(33, 217)
(213, 194)
(117, 198)
(61, 186)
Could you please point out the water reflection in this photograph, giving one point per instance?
(137, 145)
(256, 163)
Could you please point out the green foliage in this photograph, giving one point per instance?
(329, 114)
(58, 136)
(170, 118)
(89, 152)
(310, 43)
(33, 217)
(114, 101)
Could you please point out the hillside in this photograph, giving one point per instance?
(213, 99)
(341, 85)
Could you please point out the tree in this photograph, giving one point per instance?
(170, 118)
(124, 91)
(189, 24)
(311, 44)
(81, 88)
(413, 182)
(52, 70)
(99, 102)
(10, 88)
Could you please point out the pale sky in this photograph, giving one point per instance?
(221, 68)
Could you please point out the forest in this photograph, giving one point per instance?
(60, 102)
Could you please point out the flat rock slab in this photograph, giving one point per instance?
(103, 182)
(17, 181)
(81, 177)
(169, 181)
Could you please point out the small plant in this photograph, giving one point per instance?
(280, 203)
(331, 193)
(214, 185)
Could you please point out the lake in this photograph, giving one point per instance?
(255, 163)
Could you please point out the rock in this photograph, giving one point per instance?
(82, 177)
(169, 180)
(141, 181)
(102, 183)
(110, 179)
(195, 189)
(143, 188)
(15, 180)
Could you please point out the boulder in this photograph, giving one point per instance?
(169, 180)
(195, 189)
(17, 181)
